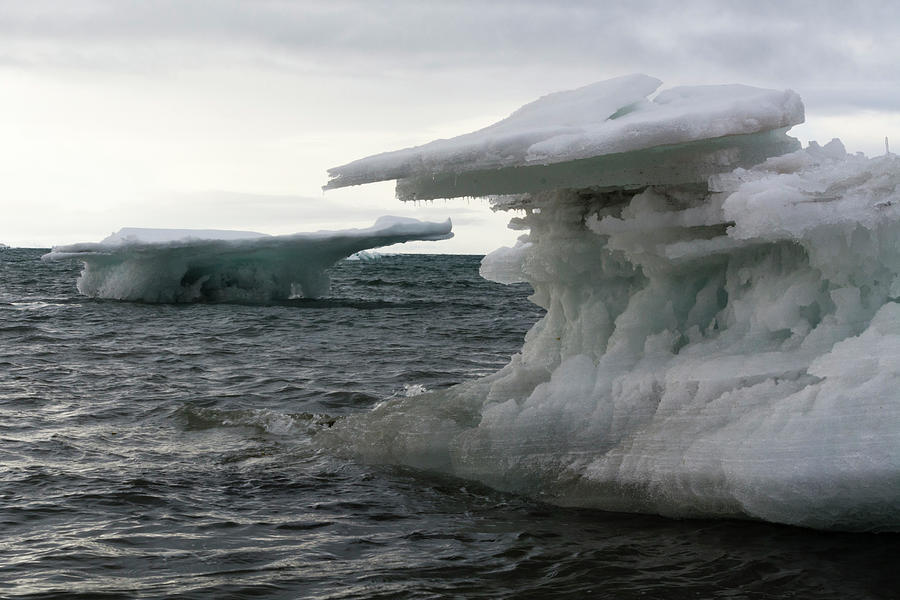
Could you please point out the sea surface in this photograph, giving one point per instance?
(164, 451)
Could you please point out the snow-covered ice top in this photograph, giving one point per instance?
(145, 235)
(183, 265)
(605, 118)
(385, 229)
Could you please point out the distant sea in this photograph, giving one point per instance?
(164, 451)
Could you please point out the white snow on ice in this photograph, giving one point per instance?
(185, 265)
(605, 118)
(720, 346)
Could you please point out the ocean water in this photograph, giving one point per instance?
(151, 451)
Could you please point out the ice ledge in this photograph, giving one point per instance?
(600, 134)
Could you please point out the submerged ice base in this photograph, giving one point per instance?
(183, 265)
(726, 347)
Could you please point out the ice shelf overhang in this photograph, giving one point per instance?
(607, 134)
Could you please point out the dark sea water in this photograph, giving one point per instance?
(151, 451)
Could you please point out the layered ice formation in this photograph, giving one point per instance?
(607, 133)
(722, 335)
(184, 265)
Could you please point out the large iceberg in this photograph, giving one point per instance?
(186, 265)
(722, 335)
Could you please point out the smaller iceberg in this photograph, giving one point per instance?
(189, 265)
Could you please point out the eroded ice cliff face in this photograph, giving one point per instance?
(724, 344)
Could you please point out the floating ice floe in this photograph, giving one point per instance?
(185, 265)
(722, 335)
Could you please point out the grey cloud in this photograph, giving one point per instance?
(786, 44)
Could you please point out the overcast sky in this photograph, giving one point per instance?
(227, 113)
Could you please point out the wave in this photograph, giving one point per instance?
(262, 420)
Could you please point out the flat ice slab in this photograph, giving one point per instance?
(604, 119)
(184, 265)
